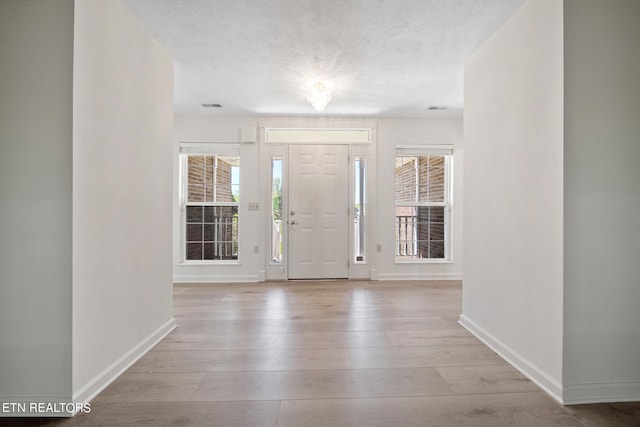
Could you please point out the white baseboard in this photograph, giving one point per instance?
(419, 276)
(217, 279)
(528, 369)
(571, 394)
(262, 276)
(92, 388)
(601, 393)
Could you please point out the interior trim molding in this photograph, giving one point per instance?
(528, 369)
(98, 383)
(601, 393)
(417, 276)
(209, 278)
(262, 276)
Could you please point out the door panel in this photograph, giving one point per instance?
(318, 217)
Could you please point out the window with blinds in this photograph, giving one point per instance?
(423, 204)
(211, 185)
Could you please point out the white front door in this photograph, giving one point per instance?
(318, 211)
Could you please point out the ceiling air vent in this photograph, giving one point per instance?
(436, 108)
(212, 105)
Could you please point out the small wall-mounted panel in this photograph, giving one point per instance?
(248, 134)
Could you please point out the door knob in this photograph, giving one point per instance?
(292, 213)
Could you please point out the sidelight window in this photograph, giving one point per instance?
(360, 208)
(276, 210)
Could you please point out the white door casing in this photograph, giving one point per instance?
(318, 212)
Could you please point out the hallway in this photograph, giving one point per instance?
(328, 353)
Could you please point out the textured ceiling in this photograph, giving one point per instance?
(391, 58)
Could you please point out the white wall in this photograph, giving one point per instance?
(390, 132)
(122, 181)
(393, 132)
(226, 131)
(513, 192)
(35, 199)
(602, 201)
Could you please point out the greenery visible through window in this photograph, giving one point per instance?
(422, 207)
(276, 210)
(211, 208)
(359, 208)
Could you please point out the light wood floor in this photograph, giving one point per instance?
(334, 353)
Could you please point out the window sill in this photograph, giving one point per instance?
(207, 263)
(424, 261)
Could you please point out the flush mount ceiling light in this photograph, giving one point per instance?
(319, 95)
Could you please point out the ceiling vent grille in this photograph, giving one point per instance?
(212, 105)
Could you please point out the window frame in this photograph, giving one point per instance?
(204, 149)
(273, 261)
(433, 150)
(360, 238)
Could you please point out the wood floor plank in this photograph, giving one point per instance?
(494, 410)
(154, 414)
(256, 341)
(441, 355)
(284, 360)
(321, 384)
(485, 379)
(339, 339)
(619, 414)
(152, 387)
(431, 337)
(196, 325)
(371, 324)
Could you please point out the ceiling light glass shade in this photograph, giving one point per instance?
(319, 96)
